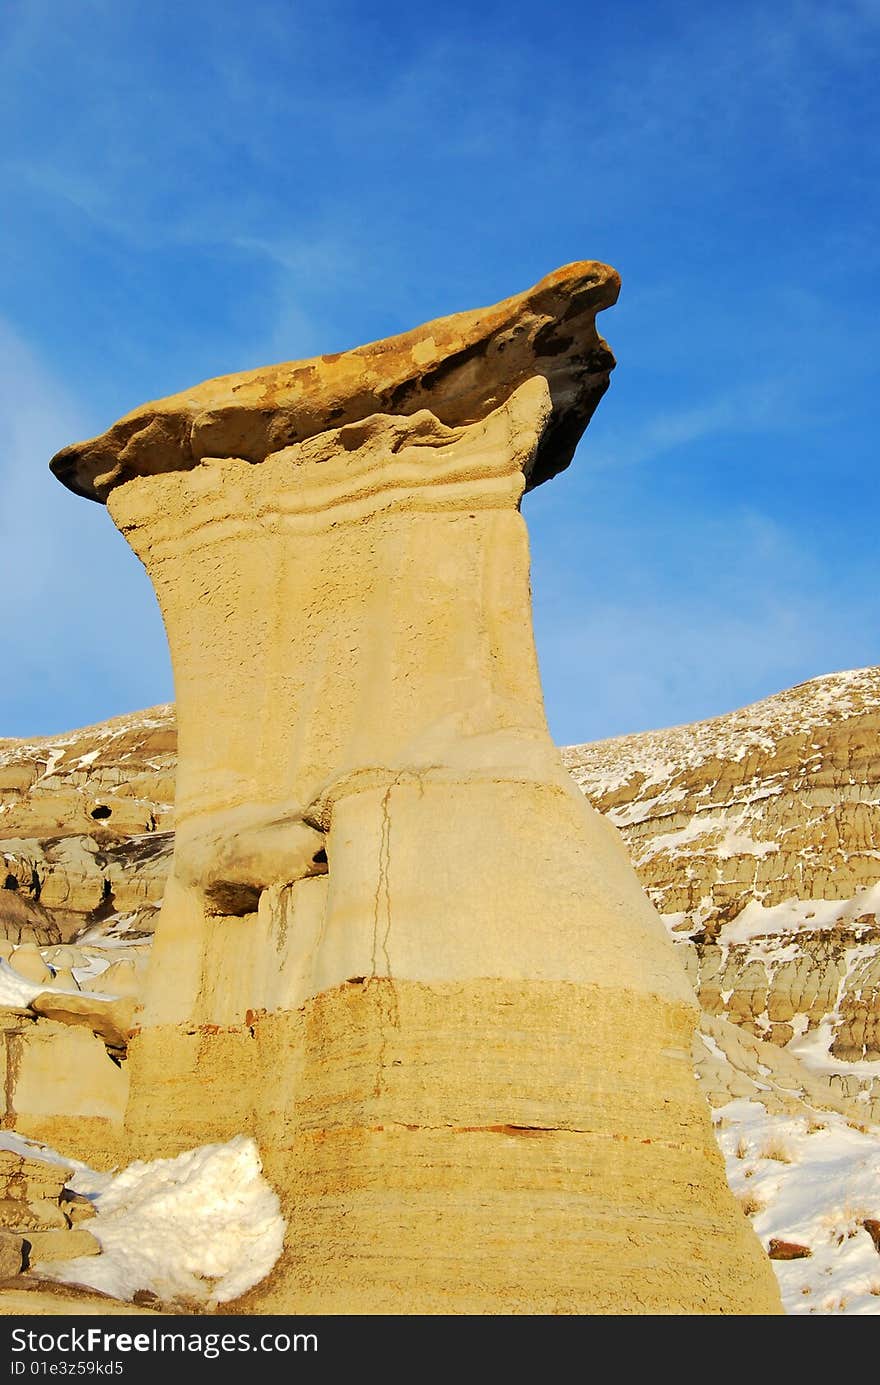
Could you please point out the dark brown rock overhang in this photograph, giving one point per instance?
(460, 367)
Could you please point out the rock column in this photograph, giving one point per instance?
(397, 945)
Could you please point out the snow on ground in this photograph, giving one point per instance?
(813, 1047)
(730, 839)
(199, 1230)
(795, 915)
(812, 1181)
(91, 960)
(17, 993)
(118, 930)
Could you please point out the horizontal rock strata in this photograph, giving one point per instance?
(36, 1224)
(757, 835)
(85, 823)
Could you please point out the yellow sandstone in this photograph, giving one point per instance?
(396, 944)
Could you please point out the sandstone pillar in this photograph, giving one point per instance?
(397, 945)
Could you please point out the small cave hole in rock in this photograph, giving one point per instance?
(102, 811)
(10, 883)
(320, 858)
(232, 899)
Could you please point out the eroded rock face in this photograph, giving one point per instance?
(85, 837)
(756, 835)
(396, 943)
(62, 1085)
(85, 823)
(110, 1020)
(35, 1223)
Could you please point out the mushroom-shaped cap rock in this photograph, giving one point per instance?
(459, 367)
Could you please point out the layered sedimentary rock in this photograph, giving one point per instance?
(62, 1086)
(84, 827)
(757, 835)
(85, 838)
(396, 943)
(65, 1018)
(38, 1215)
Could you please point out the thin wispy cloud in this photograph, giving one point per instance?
(194, 189)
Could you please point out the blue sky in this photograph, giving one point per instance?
(195, 188)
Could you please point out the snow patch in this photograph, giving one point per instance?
(817, 1195)
(796, 915)
(88, 759)
(55, 756)
(200, 1229)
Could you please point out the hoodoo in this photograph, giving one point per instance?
(397, 946)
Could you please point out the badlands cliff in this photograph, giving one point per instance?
(470, 1083)
(86, 824)
(757, 835)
